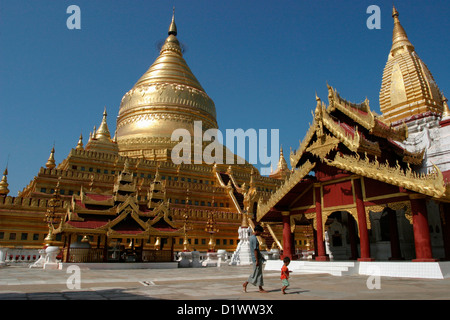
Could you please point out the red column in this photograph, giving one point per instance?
(362, 223)
(320, 244)
(287, 236)
(421, 230)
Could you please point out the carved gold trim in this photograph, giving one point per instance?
(431, 184)
(351, 210)
(323, 146)
(296, 155)
(283, 189)
(368, 120)
(353, 143)
(292, 222)
(403, 205)
(350, 109)
(400, 205)
(312, 216)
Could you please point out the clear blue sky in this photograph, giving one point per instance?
(260, 61)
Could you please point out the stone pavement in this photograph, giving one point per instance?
(212, 283)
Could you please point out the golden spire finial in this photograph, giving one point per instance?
(394, 12)
(173, 26)
(399, 37)
(103, 132)
(172, 44)
(51, 160)
(80, 143)
(4, 183)
(282, 164)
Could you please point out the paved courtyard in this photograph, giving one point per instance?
(212, 283)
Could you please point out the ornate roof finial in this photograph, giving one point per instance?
(51, 160)
(399, 36)
(103, 132)
(394, 12)
(282, 165)
(80, 143)
(4, 183)
(173, 26)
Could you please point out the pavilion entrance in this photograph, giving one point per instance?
(341, 236)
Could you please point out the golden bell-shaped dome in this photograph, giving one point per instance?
(167, 97)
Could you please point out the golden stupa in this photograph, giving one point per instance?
(408, 87)
(124, 189)
(167, 97)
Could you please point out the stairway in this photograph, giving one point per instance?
(335, 268)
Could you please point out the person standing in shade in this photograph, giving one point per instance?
(256, 278)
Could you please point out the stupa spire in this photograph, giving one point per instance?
(51, 159)
(399, 37)
(282, 165)
(80, 143)
(4, 183)
(103, 131)
(173, 26)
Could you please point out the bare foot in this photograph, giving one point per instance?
(261, 290)
(244, 286)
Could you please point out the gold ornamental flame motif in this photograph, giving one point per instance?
(167, 97)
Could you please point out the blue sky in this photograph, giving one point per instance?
(260, 61)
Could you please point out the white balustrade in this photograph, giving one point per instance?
(18, 255)
(196, 259)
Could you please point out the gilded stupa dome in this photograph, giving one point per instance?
(167, 97)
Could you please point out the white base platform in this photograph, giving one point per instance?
(402, 269)
(118, 265)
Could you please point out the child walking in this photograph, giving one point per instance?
(285, 274)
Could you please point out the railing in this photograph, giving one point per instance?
(13, 255)
(156, 256)
(81, 255)
(84, 255)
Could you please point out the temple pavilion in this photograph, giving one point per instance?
(373, 186)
